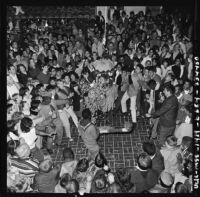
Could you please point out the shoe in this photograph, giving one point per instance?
(134, 124)
(125, 114)
(71, 140)
(50, 151)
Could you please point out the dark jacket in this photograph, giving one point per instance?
(167, 112)
(143, 180)
(158, 163)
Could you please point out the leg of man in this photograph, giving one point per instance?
(123, 102)
(65, 120)
(163, 132)
(71, 112)
(118, 100)
(138, 102)
(49, 143)
(133, 109)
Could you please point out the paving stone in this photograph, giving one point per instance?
(120, 150)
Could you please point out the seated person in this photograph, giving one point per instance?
(164, 184)
(61, 186)
(123, 179)
(143, 176)
(69, 163)
(156, 157)
(169, 153)
(47, 178)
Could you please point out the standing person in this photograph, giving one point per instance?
(44, 76)
(167, 113)
(89, 134)
(132, 92)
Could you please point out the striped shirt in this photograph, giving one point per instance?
(28, 167)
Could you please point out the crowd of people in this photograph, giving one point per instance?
(56, 80)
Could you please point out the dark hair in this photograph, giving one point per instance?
(152, 68)
(152, 84)
(144, 161)
(23, 90)
(100, 160)
(40, 85)
(64, 179)
(68, 153)
(123, 178)
(185, 171)
(140, 66)
(50, 87)
(82, 165)
(11, 146)
(171, 140)
(11, 126)
(26, 124)
(34, 106)
(86, 114)
(149, 148)
(180, 188)
(170, 88)
(100, 182)
(187, 141)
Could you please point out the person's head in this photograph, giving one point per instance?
(46, 166)
(144, 161)
(64, 180)
(24, 91)
(123, 178)
(72, 186)
(181, 188)
(66, 78)
(152, 84)
(35, 107)
(166, 180)
(100, 182)
(186, 143)
(187, 85)
(60, 83)
(165, 63)
(139, 68)
(148, 63)
(165, 48)
(100, 160)
(12, 69)
(86, 114)
(149, 148)
(111, 46)
(73, 77)
(52, 81)
(11, 146)
(82, 165)
(68, 154)
(169, 90)
(26, 124)
(171, 141)
(52, 71)
(23, 151)
(45, 69)
(187, 168)
(152, 71)
(151, 52)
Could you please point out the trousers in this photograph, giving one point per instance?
(132, 106)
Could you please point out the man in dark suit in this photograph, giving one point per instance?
(167, 113)
(155, 155)
(143, 176)
(124, 20)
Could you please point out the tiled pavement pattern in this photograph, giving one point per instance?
(121, 150)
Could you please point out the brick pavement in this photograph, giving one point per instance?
(121, 150)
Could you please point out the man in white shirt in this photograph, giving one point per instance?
(97, 47)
